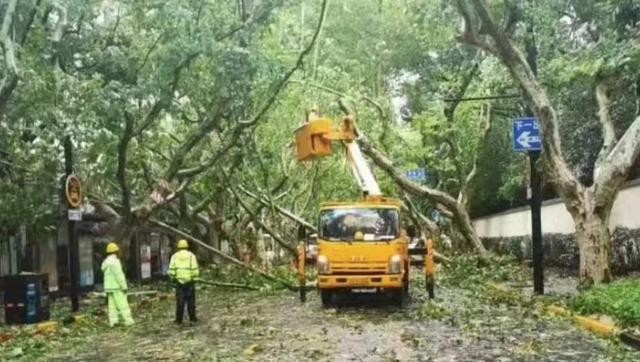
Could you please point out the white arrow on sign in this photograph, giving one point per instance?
(524, 139)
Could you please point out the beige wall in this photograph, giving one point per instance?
(556, 218)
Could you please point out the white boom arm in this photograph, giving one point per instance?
(314, 139)
(361, 170)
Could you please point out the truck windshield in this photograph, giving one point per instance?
(374, 224)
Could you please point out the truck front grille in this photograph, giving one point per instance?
(359, 268)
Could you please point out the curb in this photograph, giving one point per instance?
(589, 324)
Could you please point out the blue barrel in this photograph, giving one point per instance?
(31, 302)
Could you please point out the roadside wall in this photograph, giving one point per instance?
(556, 219)
(510, 232)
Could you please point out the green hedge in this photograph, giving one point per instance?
(620, 300)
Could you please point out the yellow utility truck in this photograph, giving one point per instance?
(361, 245)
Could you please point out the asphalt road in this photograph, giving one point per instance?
(237, 326)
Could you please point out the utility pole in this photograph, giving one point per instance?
(536, 184)
(72, 233)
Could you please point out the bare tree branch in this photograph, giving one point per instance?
(10, 79)
(465, 191)
(121, 175)
(290, 248)
(615, 167)
(461, 217)
(433, 228)
(471, 25)
(281, 210)
(203, 204)
(153, 47)
(8, 46)
(194, 139)
(238, 130)
(378, 106)
(220, 254)
(456, 98)
(608, 128)
(283, 82)
(59, 31)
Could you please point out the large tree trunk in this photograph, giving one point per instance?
(591, 221)
(594, 240)
(463, 222)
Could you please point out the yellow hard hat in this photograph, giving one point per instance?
(112, 248)
(183, 244)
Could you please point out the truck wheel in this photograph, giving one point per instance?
(303, 294)
(405, 279)
(327, 298)
(398, 297)
(431, 288)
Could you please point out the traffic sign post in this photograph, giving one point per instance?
(526, 135)
(527, 138)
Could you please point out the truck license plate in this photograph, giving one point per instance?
(364, 290)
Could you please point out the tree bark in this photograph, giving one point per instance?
(10, 80)
(594, 241)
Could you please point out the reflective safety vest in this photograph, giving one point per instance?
(183, 266)
(114, 278)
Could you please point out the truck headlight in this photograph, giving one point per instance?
(322, 264)
(395, 264)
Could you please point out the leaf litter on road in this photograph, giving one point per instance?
(463, 323)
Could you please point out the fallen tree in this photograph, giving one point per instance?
(228, 285)
(222, 255)
(288, 214)
(290, 248)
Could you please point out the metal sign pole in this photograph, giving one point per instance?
(537, 249)
(536, 224)
(74, 264)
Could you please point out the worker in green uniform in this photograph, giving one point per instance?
(183, 270)
(115, 285)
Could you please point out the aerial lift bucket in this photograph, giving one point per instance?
(312, 141)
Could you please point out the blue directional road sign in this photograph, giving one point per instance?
(417, 175)
(526, 135)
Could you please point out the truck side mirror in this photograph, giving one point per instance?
(302, 233)
(411, 231)
(313, 239)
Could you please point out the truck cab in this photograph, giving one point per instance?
(361, 247)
